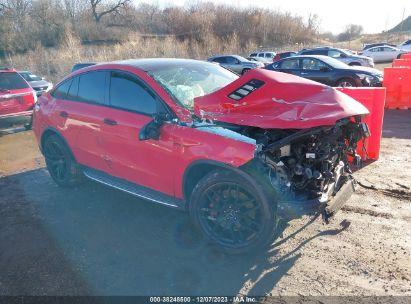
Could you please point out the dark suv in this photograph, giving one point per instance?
(238, 153)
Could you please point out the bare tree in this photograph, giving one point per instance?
(351, 31)
(100, 8)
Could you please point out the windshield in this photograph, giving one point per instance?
(334, 62)
(30, 77)
(190, 80)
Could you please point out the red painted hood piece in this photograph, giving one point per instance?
(283, 102)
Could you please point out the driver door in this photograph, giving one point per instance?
(149, 162)
(316, 70)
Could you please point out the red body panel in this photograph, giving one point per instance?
(157, 164)
(283, 102)
(161, 164)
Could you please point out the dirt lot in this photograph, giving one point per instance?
(94, 240)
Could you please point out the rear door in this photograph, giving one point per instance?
(149, 162)
(79, 114)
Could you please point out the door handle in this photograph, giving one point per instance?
(304, 73)
(64, 114)
(110, 122)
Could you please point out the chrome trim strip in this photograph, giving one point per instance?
(129, 192)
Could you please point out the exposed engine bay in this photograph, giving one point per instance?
(309, 163)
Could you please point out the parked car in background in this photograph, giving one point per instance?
(282, 55)
(274, 147)
(39, 84)
(264, 57)
(383, 53)
(78, 66)
(236, 63)
(406, 45)
(370, 45)
(341, 55)
(17, 97)
(328, 71)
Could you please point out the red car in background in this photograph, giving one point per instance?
(238, 153)
(17, 97)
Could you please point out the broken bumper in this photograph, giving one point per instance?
(327, 205)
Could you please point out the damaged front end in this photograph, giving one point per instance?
(306, 137)
(308, 169)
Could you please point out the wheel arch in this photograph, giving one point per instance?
(200, 168)
(52, 131)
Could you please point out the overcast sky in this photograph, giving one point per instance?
(375, 16)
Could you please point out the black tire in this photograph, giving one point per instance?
(245, 71)
(29, 125)
(354, 64)
(226, 203)
(399, 56)
(61, 165)
(346, 82)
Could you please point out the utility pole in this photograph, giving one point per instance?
(401, 25)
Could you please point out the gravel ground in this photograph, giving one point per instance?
(97, 241)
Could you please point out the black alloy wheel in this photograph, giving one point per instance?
(60, 164)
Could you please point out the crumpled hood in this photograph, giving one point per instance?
(282, 101)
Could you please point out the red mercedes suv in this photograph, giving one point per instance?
(17, 98)
(238, 153)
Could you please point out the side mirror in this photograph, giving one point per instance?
(152, 129)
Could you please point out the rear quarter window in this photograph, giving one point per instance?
(12, 81)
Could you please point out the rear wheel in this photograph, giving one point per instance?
(231, 213)
(60, 164)
(346, 82)
(354, 64)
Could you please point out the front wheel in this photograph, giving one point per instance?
(232, 213)
(60, 164)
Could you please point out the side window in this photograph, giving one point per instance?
(260, 55)
(61, 90)
(128, 93)
(253, 55)
(268, 55)
(91, 87)
(290, 64)
(334, 53)
(312, 64)
(73, 90)
(231, 60)
(219, 59)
